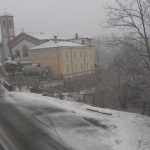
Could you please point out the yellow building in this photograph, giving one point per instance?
(64, 57)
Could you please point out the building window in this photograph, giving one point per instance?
(81, 66)
(45, 55)
(67, 67)
(10, 22)
(90, 56)
(75, 66)
(4, 22)
(80, 53)
(25, 51)
(87, 65)
(74, 54)
(36, 56)
(86, 53)
(66, 54)
(83, 42)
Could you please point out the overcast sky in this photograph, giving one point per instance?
(49, 16)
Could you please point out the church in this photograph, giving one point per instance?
(19, 44)
(23, 44)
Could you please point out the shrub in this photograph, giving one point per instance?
(31, 71)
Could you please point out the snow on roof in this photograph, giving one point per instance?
(40, 36)
(52, 44)
(6, 14)
(73, 37)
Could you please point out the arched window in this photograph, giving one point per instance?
(25, 51)
(10, 22)
(4, 22)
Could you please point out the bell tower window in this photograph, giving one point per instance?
(25, 51)
(10, 22)
(4, 22)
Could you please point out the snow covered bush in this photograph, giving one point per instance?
(11, 65)
(31, 71)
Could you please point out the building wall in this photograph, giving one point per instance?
(75, 59)
(53, 55)
(65, 61)
(20, 46)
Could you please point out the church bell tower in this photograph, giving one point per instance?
(7, 33)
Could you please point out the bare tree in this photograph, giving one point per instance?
(131, 16)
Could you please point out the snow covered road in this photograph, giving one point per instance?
(43, 126)
(45, 120)
(120, 131)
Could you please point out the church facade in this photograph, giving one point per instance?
(18, 45)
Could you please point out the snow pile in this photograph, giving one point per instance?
(123, 131)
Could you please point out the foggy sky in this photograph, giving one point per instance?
(49, 16)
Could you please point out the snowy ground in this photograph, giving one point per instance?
(124, 131)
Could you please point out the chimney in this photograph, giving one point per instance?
(55, 39)
(76, 35)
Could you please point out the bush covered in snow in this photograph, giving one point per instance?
(31, 71)
(11, 65)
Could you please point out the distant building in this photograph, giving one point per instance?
(64, 57)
